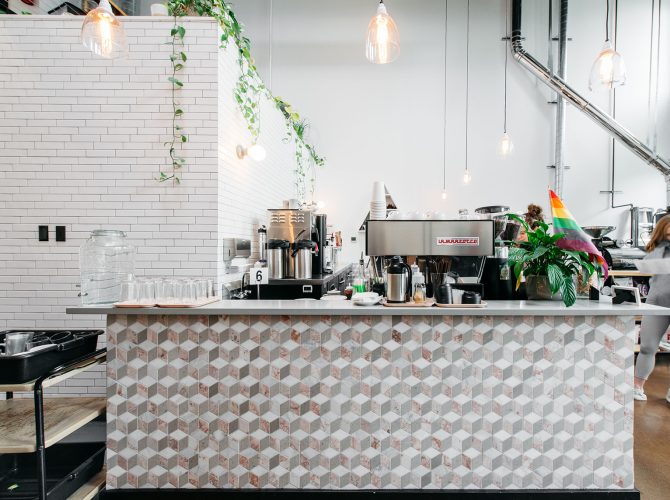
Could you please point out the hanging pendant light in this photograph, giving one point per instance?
(444, 109)
(608, 70)
(466, 174)
(382, 45)
(102, 33)
(505, 145)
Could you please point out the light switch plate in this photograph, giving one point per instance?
(43, 233)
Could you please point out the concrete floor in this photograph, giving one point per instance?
(652, 435)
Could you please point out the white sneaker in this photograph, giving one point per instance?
(667, 396)
(639, 395)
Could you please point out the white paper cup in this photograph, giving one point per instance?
(378, 191)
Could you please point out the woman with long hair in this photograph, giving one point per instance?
(654, 327)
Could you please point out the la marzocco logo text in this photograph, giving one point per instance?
(458, 241)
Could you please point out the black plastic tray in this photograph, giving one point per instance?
(29, 366)
(69, 466)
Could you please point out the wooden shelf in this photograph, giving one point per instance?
(30, 386)
(62, 416)
(91, 488)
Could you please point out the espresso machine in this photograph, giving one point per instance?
(467, 242)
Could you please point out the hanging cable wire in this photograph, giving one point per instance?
(506, 54)
(466, 175)
(444, 109)
(270, 36)
(607, 21)
(654, 141)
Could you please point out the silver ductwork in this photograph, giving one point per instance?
(559, 166)
(558, 84)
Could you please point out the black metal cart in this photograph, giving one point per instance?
(53, 419)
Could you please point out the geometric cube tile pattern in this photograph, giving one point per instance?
(342, 402)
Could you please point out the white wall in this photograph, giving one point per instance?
(385, 122)
(248, 188)
(81, 142)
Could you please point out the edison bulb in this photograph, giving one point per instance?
(608, 70)
(102, 33)
(505, 146)
(444, 194)
(320, 204)
(466, 177)
(382, 45)
(256, 152)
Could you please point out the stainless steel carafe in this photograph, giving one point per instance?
(302, 259)
(276, 255)
(398, 281)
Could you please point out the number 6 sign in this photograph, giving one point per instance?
(259, 275)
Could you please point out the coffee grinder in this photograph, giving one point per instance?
(320, 236)
(497, 275)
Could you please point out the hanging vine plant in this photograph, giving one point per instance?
(248, 91)
(177, 59)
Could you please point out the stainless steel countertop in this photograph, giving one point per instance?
(346, 308)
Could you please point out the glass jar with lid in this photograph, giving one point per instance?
(106, 260)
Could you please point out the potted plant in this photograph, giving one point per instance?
(550, 270)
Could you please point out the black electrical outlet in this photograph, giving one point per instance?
(43, 233)
(60, 233)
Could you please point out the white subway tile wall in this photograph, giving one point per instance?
(248, 188)
(81, 143)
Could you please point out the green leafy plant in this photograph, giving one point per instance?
(177, 59)
(248, 91)
(541, 256)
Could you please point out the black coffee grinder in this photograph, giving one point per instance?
(320, 235)
(497, 275)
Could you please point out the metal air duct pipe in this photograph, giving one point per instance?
(559, 85)
(559, 167)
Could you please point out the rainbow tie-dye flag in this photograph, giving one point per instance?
(575, 238)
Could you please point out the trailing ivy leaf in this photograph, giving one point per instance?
(555, 276)
(183, 56)
(178, 67)
(178, 112)
(173, 31)
(176, 82)
(173, 57)
(181, 31)
(184, 138)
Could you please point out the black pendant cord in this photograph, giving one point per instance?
(507, 38)
(444, 105)
(607, 21)
(467, 84)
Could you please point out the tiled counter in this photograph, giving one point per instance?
(287, 395)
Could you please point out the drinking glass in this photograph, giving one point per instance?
(161, 289)
(210, 289)
(200, 290)
(188, 291)
(129, 291)
(147, 292)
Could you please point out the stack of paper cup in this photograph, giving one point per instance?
(378, 201)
